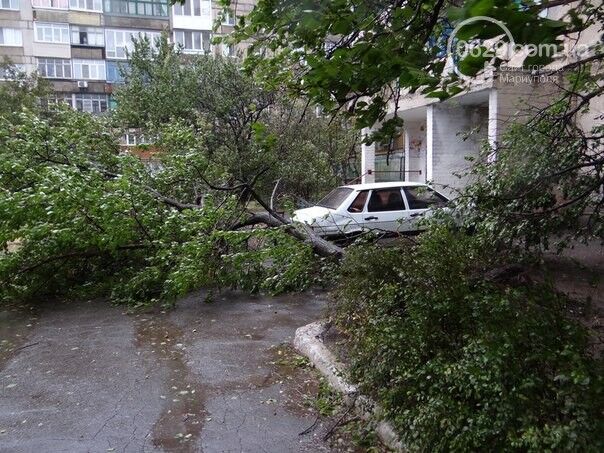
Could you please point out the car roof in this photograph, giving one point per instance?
(384, 185)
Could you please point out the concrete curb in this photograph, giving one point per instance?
(309, 342)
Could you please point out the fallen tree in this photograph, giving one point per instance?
(86, 217)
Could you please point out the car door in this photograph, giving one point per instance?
(420, 200)
(385, 209)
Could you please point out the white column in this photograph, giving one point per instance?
(367, 160)
(429, 142)
(407, 155)
(492, 127)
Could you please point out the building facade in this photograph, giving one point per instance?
(79, 45)
(439, 139)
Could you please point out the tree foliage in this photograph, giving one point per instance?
(20, 90)
(243, 128)
(461, 360)
(545, 182)
(359, 56)
(76, 214)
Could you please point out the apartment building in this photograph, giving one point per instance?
(79, 45)
(438, 138)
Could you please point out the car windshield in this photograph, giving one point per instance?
(334, 199)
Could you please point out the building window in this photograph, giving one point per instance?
(119, 42)
(56, 99)
(91, 103)
(59, 4)
(89, 69)
(193, 41)
(87, 5)
(137, 7)
(84, 102)
(192, 8)
(115, 71)
(87, 36)
(135, 138)
(9, 4)
(228, 18)
(11, 37)
(47, 32)
(54, 68)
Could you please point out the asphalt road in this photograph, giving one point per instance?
(203, 377)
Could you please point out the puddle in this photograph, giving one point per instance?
(180, 424)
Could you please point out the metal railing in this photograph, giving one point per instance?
(373, 172)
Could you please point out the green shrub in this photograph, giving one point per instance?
(462, 363)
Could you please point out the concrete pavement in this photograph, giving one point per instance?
(213, 377)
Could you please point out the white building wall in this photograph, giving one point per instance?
(415, 151)
(43, 49)
(367, 160)
(449, 144)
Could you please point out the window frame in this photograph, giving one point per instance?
(149, 8)
(394, 189)
(445, 200)
(52, 26)
(79, 8)
(57, 98)
(100, 66)
(359, 193)
(15, 32)
(228, 50)
(11, 5)
(113, 66)
(92, 98)
(193, 50)
(55, 62)
(66, 7)
(191, 6)
(229, 18)
(127, 44)
(98, 31)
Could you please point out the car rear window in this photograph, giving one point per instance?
(335, 198)
(386, 200)
(424, 198)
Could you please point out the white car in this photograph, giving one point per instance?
(395, 207)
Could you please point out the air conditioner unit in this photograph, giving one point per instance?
(82, 84)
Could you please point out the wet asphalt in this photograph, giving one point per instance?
(203, 377)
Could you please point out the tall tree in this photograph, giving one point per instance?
(243, 127)
(20, 90)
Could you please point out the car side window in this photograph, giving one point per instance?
(386, 200)
(359, 202)
(423, 198)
